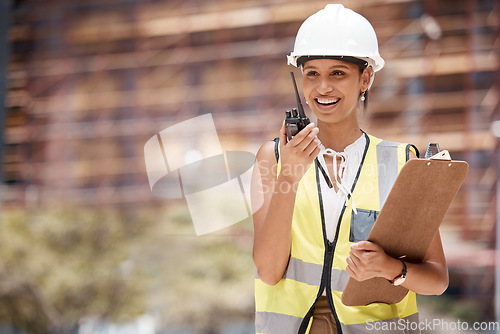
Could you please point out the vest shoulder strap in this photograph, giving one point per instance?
(414, 149)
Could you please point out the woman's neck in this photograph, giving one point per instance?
(338, 136)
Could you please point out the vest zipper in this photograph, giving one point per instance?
(329, 264)
(331, 245)
(328, 261)
(326, 276)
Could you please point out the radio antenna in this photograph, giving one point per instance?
(302, 114)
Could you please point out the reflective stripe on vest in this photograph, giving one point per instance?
(310, 273)
(282, 308)
(406, 325)
(387, 169)
(282, 323)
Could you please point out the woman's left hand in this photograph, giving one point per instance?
(367, 260)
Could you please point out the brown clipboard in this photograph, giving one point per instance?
(408, 221)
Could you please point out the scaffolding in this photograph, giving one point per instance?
(89, 82)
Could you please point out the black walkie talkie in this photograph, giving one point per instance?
(295, 121)
(296, 118)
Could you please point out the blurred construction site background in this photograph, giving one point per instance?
(85, 247)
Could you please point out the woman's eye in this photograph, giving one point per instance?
(311, 73)
(335, 73)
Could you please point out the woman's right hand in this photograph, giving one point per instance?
(299, 153)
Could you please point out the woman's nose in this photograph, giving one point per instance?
(324, 87)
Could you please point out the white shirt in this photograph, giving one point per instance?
(333, 201)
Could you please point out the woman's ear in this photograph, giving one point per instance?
(366, 77)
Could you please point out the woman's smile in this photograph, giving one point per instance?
(327, 101)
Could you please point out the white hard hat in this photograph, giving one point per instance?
(337, 31)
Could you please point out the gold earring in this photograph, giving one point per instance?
(363, 96)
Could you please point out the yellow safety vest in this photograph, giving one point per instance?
(317, 264)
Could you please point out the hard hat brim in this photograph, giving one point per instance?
(362, 63)
(375, 61)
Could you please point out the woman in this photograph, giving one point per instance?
(310, 234)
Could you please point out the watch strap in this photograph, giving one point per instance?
(403, 272)
(405, 269)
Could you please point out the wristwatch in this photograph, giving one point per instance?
(401, 278)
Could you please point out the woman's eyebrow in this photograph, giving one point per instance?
(339, 66)
(330, 68)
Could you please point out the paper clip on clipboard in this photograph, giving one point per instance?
(433, 153)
